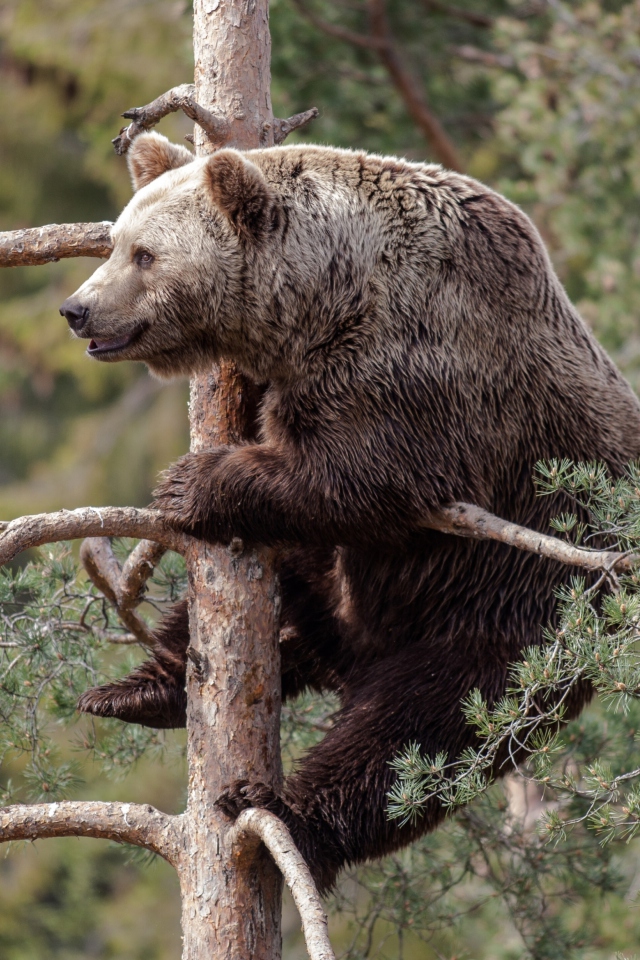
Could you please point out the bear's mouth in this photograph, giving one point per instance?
(98, 348)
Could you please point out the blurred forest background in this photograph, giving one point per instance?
(538, 98)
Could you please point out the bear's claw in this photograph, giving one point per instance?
(241, 795)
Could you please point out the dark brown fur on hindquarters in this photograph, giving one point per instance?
(418, 349)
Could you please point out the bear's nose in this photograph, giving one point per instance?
(75, 312)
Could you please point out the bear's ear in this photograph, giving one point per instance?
(151, 154)
(239, 189)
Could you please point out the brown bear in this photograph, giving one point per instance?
(416, 348)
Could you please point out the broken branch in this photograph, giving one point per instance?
(33, 531)
(279, 842)
(138, 824)
(467, 520)
(38, 245)
(217, 128)
(104, 570)
(282, 128)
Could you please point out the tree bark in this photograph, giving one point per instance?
(38, 245)
(135, 823)
(231, 903)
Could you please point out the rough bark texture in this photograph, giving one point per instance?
(231, 903)
(32, 531)
(178, 98)
(135, 823)
(38, 245)
(276, 837)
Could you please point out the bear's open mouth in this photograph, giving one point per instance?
(98, 347)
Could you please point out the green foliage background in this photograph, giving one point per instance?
(552, 121)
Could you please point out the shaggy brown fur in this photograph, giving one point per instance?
(418, 349)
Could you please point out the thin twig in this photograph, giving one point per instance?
(56, 241)
(138, 824)
(339, 33)
(486, 57)
(278, 841)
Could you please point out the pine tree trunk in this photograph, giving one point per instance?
(231, 904)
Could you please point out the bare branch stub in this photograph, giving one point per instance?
(38, 529)
(182, 98)
(55, 241)
(282, 128)
(138, 824)
(139, 567)
(279, 842)
(105, 572)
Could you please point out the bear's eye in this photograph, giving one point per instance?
(143, 258)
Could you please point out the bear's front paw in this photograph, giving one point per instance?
(187, 492)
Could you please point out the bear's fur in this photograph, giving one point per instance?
(417, 349)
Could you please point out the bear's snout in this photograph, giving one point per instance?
(75, 312)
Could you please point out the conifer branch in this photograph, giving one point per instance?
(467, 520)
(138, 824)
(37, 529)
(459, 519)
(124, 590)
(279, 842)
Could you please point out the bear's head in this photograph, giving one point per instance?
(172, 293)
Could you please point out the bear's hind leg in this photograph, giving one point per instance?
(335, 804)
(154, 694)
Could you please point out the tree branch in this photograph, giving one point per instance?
(459, 519)
(339, 33)
(38, 245)
(217, 128)
(125, 594)
(139, 567)
(138, 824)
(282, 128)
(408, 89)
(33, 531)
(457, 13)
(467, 520)
(380, 40)
(278, 841)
